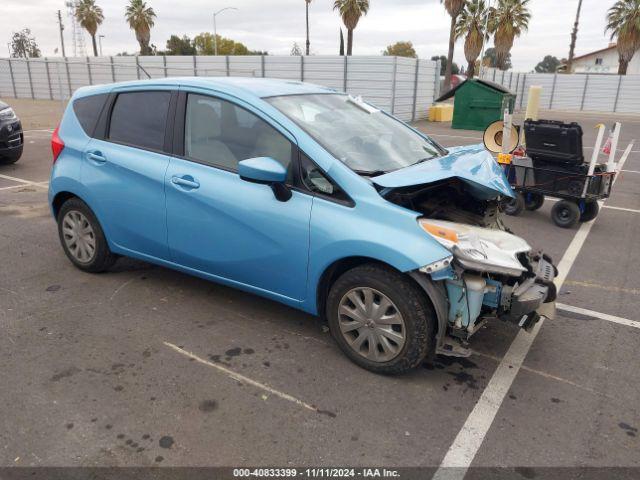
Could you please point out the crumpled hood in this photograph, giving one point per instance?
(472, 164)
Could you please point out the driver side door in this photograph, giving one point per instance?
(226, 227)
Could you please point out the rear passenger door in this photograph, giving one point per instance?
(124, 169)
(222, 225)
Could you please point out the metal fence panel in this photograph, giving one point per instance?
(403, 86)
(325, 70)
(6, 84)
(286, 68)
(601, 93)
(206, 66)
(241, 66)
(629, 101)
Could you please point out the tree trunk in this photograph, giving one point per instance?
(349, 41)
(452, 45)
(144, 48)
(308, 43)
(622, 68)
(471, 69)
(95, 48)
(341, 43)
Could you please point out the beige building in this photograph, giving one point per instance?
(604, 61)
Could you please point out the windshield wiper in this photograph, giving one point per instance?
(426, 159)
(372, 173)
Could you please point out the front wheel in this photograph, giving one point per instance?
(514, 206)
(565, 214)
(82, 237)
(590, 211)
(380, 319)
(533, 201)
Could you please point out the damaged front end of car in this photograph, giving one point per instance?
(490, 272)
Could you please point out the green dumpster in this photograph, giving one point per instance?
(478, 103)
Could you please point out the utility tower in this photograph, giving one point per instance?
(77, 34)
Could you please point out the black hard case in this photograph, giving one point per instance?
(553, 141)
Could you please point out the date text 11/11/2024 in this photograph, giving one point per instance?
(315, 473)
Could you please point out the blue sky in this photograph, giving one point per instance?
(274, 25)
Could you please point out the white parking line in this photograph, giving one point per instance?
(630, 171)
(23, 181)
(470, 438)
(241, 378)
(468, 441)
(622, 209)
(23, 185)
(50, 130)
(601, 316)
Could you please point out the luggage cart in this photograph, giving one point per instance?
(578, 192)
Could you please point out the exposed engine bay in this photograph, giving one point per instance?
(491, 272)
(450, 199)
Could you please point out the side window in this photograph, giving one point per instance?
(88, 109)
(221, 134)
(140, 118)
(317, 182)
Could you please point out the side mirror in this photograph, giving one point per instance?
(262, 170)
(267, 171)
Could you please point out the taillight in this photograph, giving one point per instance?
(57, 145)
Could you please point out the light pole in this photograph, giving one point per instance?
(215, 29)
(100, 37)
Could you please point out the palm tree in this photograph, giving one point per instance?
(140, 19)
(351, 11)
(89, 15)
(623, 20)
(307, 2)
(470, 25)
(507, 21)
(454, 8)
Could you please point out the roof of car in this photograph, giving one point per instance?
(239, 86)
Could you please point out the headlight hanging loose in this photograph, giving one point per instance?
(479, 249)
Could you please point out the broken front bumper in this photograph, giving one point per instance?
(522, 301)
(473, 298)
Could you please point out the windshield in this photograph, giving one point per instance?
(359, 135)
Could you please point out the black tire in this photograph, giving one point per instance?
(533, 201)
(514, 206)
(565, 214)
(591, 210)
(13, 158)
(102, 258)
(412, 303)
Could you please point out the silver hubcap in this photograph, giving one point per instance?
(79, 236)
(371, 324)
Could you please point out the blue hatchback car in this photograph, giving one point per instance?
(301, 194)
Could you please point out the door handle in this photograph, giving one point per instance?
(187, 181)
(96, 157)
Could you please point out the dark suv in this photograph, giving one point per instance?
(11, 136)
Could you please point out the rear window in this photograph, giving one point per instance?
(87, 110)
(139, 119)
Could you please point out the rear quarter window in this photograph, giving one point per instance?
(87, 111)
(139, 119)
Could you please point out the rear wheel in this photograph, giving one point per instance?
(380, 319)
(590, 211)
(565, 214)
(82, 238)
(533, 201)
(514, 206)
